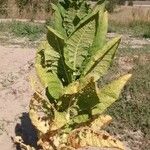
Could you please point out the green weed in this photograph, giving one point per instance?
(135, 28)
(29, 30)
(132, 111)
(23, 29)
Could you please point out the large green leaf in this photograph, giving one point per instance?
(78, 44)
(46, 66)
(109, 94)
(58, 20)
(57, 42)
(46, 61)
(55, 86)
(101, 26)
(100, 54)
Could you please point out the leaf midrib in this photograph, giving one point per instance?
(76, 50)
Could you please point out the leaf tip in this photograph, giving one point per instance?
(127, 76)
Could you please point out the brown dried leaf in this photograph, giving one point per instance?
(84, 137)
(40, 113)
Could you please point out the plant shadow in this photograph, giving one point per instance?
(26, 131)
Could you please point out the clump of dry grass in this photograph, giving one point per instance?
(132, 20)
(126, 15)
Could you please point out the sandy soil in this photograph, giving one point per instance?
(16, 63)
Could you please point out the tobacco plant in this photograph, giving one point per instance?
(67, 113)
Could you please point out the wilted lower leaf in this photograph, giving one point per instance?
(41, 113)
(84, 137)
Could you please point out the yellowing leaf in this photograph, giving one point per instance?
(101, 121)
(47, 71)
(109, 94)
(59, 120)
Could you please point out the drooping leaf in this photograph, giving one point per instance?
(57, 42)
(44, 116)
(62, 10)
(100, 54)
(58, 20)
(109, 94)
(77, 46)
(83, 137)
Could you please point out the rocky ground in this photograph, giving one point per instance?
(16, 65)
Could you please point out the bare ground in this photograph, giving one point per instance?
(15, 92)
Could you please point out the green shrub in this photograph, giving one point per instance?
(136, 28)
(140, 28)
(29, 30)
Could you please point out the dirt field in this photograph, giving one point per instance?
(15, 92)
